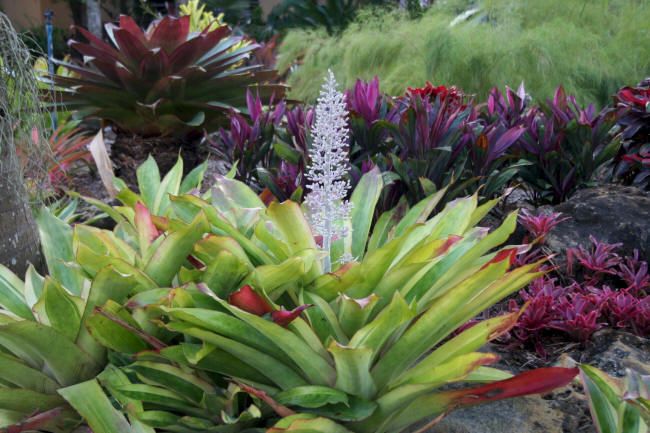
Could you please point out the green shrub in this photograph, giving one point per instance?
(591, 48)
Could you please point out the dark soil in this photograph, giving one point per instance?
(128, 152)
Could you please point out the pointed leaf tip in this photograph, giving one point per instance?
(284, 318)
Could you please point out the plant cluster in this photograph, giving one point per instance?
(597, 288)
(431, 138)
(633, 161)
(211, 312)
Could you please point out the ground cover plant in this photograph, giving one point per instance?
(595, 288)
(543, 44)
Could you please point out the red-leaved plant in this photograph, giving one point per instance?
(597, 288)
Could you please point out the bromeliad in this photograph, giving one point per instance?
(378, 342)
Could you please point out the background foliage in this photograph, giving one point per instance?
(543, 44)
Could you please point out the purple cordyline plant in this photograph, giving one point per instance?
(542, 134)
(509, 109)
(299, 121)
(429, 139)
(369, 110)
(365, 100)
(288, 177)
(565, 145)
(633, 113)
(263, 116)
(422, 125)
(249, 144)
(492, 144)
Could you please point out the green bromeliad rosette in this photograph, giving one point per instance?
(231, 322)
(237, 294)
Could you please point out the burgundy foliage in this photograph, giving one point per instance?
(597, 288)
(539, 225)
(633, 111)
(249, 139)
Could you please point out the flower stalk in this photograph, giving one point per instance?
(328, 209)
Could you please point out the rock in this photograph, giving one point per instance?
(613, 351)
(611, 213)
(564, 411)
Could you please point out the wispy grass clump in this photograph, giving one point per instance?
(22, 116)
(591, 47)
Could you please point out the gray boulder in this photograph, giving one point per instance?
(615, 351)
(611, 213)
(520, 415)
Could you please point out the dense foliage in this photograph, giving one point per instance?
(204, 301)
(331, 281)
(541, 43)
(432, 138)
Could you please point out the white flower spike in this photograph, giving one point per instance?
(328, 209)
